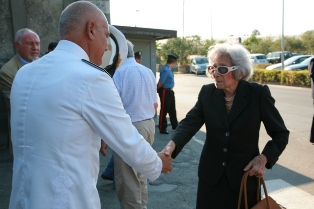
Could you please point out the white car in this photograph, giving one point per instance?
(290, 61)
(258, 59)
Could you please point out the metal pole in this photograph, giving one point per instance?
(282, 36)
(211, 22)
(183, 18)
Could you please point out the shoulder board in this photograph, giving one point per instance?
(95, 66)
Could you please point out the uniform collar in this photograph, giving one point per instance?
(72, 48)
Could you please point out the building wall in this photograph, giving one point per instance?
(42, 16)
(148, 49)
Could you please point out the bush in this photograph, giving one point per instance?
(295, 78)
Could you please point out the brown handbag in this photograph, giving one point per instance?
(266, 203)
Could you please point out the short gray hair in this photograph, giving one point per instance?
(130, 49)
(72, 16)
(20, 33)
(238, 55)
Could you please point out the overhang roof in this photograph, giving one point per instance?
(136, 32)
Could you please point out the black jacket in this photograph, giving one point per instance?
(232, 139)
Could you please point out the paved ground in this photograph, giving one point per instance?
(176, 190)
(289, 182)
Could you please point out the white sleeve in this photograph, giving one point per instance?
(103, 110)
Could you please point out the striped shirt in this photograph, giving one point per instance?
(137, 87)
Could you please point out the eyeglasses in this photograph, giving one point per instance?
(221, 70)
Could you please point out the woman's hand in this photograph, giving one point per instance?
(169, 148)
(103, 148)
(257, 166)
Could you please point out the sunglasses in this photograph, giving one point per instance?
(221, 70)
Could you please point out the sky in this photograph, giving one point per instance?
(216, 19)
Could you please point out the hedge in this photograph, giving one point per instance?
(284, 77)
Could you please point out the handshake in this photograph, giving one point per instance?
(165, 156)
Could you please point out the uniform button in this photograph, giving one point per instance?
(227, 133)
(223, 164)
(225, 149)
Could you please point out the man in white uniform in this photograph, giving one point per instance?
(61, 109)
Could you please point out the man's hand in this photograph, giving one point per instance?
(166, 162)
(257, 166)
(103, 148)
(165, 156)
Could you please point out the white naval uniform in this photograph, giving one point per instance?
(61, 109)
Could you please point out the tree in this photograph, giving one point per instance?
(308, 41)
(295, 45)
(184, 47)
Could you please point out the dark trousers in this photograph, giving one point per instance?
(167, 105)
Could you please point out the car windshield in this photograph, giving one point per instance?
(292, 59)
(201, 60)
(307, 61)
(260, 57)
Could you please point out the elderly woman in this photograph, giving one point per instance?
(232, 109)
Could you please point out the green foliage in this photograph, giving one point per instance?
(192, 45)
(308, 41)
(184, 47)
(296, 78)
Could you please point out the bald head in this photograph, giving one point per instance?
(75, 16)
(86, 25)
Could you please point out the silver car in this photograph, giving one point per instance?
(258, 59)
(198, 65)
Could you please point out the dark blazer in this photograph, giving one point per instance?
(232, 139)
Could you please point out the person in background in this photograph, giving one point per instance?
(232, 110)
(27, 45)
(65, 109)
(138, 57)
(136, 85)
(108, 173)
(166, 94)
(52, 46)
(311, 74)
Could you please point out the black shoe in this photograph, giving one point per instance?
(106, 177)
(164, 132)
(174, 127)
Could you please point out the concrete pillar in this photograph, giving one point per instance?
(18, 11)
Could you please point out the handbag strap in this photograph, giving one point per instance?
(243, 189)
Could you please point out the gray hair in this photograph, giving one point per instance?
(238, 55)
(20, 33)
(130, 49)
(71, 19)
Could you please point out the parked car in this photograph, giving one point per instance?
(295, 54)
(198, 65)
(290, 61)
(258, 58)
(275, 57)
(301, 66)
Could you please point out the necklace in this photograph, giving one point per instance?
(230, 98)
(228, 105)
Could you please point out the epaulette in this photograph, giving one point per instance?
(95, 66)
